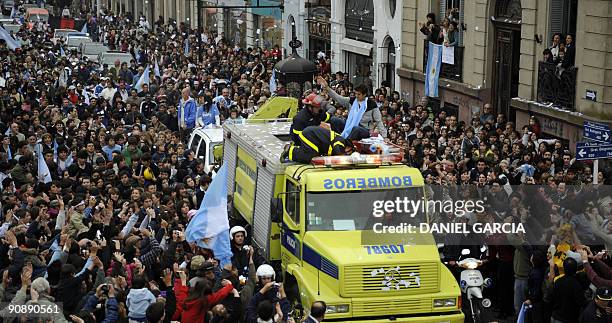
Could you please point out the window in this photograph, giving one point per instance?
(359, 20)
(211, 152)
(202, 149)
(453, 10)
(292, 201)
(562, 18)
(392, 5)
(195, 141)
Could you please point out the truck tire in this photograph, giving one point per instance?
(293, 296)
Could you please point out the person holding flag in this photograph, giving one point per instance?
(209, 227)
(144, 79)
(273, 82)
(44, 175)
(186, 50)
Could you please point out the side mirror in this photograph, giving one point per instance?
(276, 209)
(465, 252)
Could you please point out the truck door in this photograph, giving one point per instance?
(291, 248)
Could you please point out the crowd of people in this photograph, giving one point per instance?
(102, 231)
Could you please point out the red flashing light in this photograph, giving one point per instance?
(356, 160)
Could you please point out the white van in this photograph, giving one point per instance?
(203, 141)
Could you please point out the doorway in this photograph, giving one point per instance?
(388, 67)
(507, 51)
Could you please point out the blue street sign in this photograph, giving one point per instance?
(586, 150)
(597, 131)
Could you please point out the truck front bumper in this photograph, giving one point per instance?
(455, 317)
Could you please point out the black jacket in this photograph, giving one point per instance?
(568, 299)
(305, 118)
(593, 314)
(320, 139)
(433, 35)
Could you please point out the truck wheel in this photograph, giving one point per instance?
(293, 296)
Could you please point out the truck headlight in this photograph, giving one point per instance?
(340, 308)
(445, 302)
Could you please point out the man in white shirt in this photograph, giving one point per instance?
(109, 92)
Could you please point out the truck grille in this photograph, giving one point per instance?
(372, 307)
(386, 280)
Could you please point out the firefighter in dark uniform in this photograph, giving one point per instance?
(312, 114)
(316, 141)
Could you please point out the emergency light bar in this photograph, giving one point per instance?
(357, 159)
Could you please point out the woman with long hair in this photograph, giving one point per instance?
(193, 303)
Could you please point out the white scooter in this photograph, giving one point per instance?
(472, 283)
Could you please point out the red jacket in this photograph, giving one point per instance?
(195, 310)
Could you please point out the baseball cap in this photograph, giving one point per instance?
(313, 99)
(197, 262)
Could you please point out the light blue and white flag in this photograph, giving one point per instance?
(84, 30)
(11, 43)
(209, 227)
(273, 82)
(85, 96)
(69, 160)
(156, 69)
(144, 79)
(62, 52)
(44, 175)
(186, 46)
(432, 76)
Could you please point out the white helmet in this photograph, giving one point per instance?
(265, 270)
(235, 230)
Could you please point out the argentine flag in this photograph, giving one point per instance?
(156, 69)
(84, 30)
(273, 82)
(85, 96)
(209, 227)
(44, 175)
(434, 61)
(186, 46)
(11, 43)
(62, 52)
(144, 79)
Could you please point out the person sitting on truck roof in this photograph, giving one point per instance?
(234, 117)
(186, 112)
(363, 112)
(313, 115)
(316, 141)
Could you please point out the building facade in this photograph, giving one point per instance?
(246, 27)
(499, 56)
(361, 37)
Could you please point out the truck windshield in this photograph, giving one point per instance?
(360, 210)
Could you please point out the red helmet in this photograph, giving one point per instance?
(313, 99)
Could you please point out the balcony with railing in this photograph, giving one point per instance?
(557, 85)
(449, 71)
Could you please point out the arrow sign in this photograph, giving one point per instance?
(597, 131)
(591, 95)
(586, 151)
